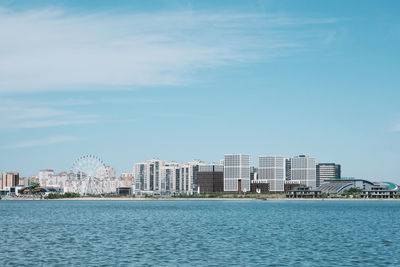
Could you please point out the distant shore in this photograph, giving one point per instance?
(198, 199)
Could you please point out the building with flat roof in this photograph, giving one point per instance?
(236, 173)
(9, 179)
(273, 169)
(326, 171)
(210, 178)
(303, 169)
(260, 186)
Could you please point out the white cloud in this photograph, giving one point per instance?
(396, 127)
(41, 142)
(50, 49)
(25, 115)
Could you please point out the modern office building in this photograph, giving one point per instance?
(9, 179)
(326, 171)
(303, 169)
(272, 169)
(210, 178)
(236, 173)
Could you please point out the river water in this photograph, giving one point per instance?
(193, 233)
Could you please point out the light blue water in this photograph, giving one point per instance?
(194, 233)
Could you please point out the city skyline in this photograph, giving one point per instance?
(186, 80)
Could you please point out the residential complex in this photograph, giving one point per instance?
(236, 173)
(300, 175)
(272, 169)
(9, 179)
(303, 169)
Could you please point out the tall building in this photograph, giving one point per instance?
(9, 179)
(272, 169)
(303, 169)
(148, 175)
(326, 171)
(237, 173)
(210, 178)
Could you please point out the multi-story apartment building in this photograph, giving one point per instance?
(44, 176)
(148, 175)
(326, 171)
(237, 173)
(9, 179)
(303, 169)
(105, 172)
(167, 177)
(272, 169)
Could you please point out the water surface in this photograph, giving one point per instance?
(170, 233)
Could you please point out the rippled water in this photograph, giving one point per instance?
(242, 233)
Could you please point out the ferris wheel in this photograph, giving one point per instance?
(89, 176)
(87, 166)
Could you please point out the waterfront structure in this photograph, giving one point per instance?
(291, 185)
(272, 169)
(236, 173)
(378, 191)
(124, 191)
(303, 169)
(210, 178)
(304, 192)
(337, 186)
(9, 179)
(326, 171)
(260, 186)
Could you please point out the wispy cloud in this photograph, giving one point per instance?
(41, 142)
(396, 127)
(50, 49)
(25, 115)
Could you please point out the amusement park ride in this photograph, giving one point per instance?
(88, 176)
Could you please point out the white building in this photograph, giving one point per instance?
(272, 169)
(237, 173)
(159, 176)
(303, 169)
(105, 172)
(148, 175)
(44, 176)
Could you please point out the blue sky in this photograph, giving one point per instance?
(184, 80)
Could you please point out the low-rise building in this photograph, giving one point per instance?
(260, 186)
(378, 191)
(304, 192)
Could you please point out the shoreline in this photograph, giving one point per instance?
(201, 199)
